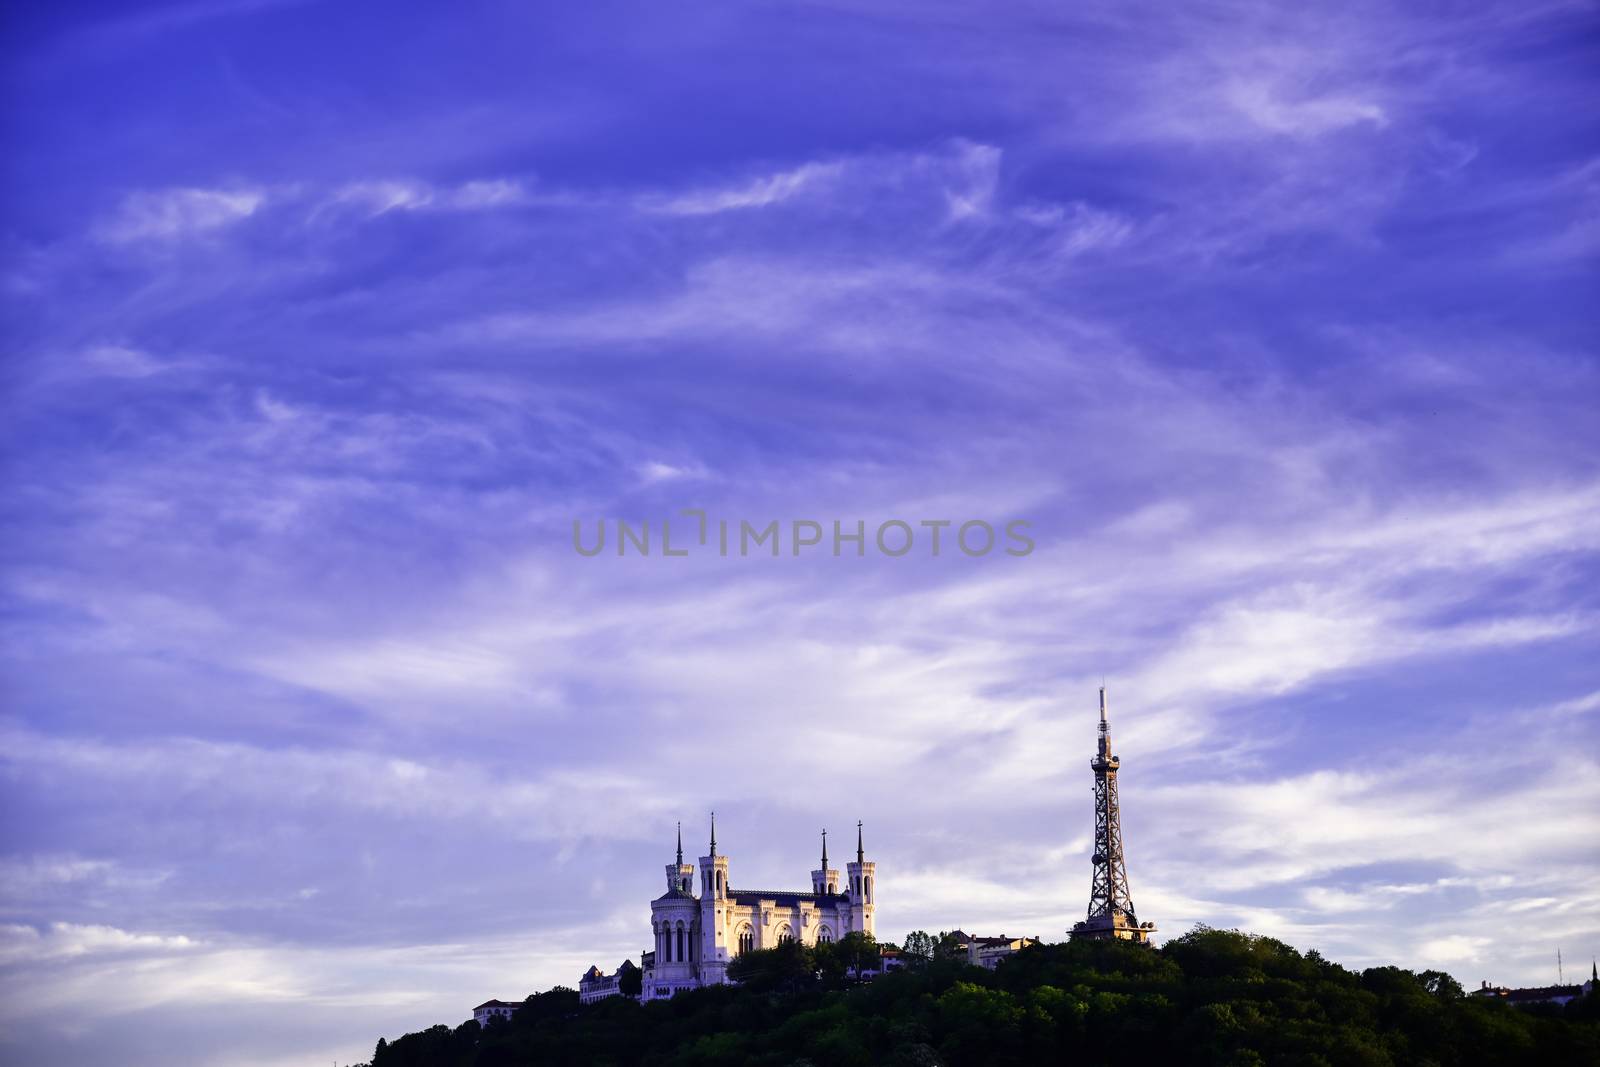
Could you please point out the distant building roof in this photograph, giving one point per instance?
(1529, 995)
(1549, 992)
(495, 1004)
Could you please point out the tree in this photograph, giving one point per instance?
(948, 947)
(1214, 998)
(859, 952)
(919, 944)
(1441, 985)
(630, 980)
(786, 967)
(828, 963)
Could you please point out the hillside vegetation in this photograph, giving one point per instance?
(1209, 997)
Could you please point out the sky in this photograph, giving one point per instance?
(325, 322)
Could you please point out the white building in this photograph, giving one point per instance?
(700, 927)
(989, 951)
(597, 985)
(490, 1010)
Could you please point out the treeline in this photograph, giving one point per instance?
(1210, 997)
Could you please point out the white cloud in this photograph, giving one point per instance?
(1271, 107)
(974, 179)
(379, 197)
(122, 361)
(760, 192)
(656, 471)
(1455, 948)
(59, 940)
(172, 214)
(382, 196)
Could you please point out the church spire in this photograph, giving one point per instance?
(680, 844)
(824, 851)
(713, 835)
(860, 852)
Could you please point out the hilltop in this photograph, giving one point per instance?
(1209, 997)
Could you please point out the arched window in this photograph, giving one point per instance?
(869, 889)
(784, 933)
(720, 885)
(747, 940)
(666, 943)
(824, 935)
(680, 941)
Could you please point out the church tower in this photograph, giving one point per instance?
(714, 947)
(1110, 901)
(863, 887)
(675, 921)
(680, 875)
(825, 879)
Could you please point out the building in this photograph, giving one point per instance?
(597, 985)
(1110, 901)
(1550, 994)
(989, 951)
(701, 925)
(492, 1010)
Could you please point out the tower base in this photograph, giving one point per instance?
(1115, 926)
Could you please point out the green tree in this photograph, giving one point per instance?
(948, 947)
(787, 966)
(631, 980)
(859, 952)
(919, 944)
(1441, 985)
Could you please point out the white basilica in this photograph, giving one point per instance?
(696, 935)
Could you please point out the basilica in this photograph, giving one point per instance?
(700, 927)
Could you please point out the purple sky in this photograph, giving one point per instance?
(324, 321)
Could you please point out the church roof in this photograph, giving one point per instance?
(783, 898)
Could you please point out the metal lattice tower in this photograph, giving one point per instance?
(1110, 901)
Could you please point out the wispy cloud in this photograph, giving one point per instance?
(761, 192)
(174, 214)
(381, 196)
(1264, 320)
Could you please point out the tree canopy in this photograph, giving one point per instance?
(1211, 997)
